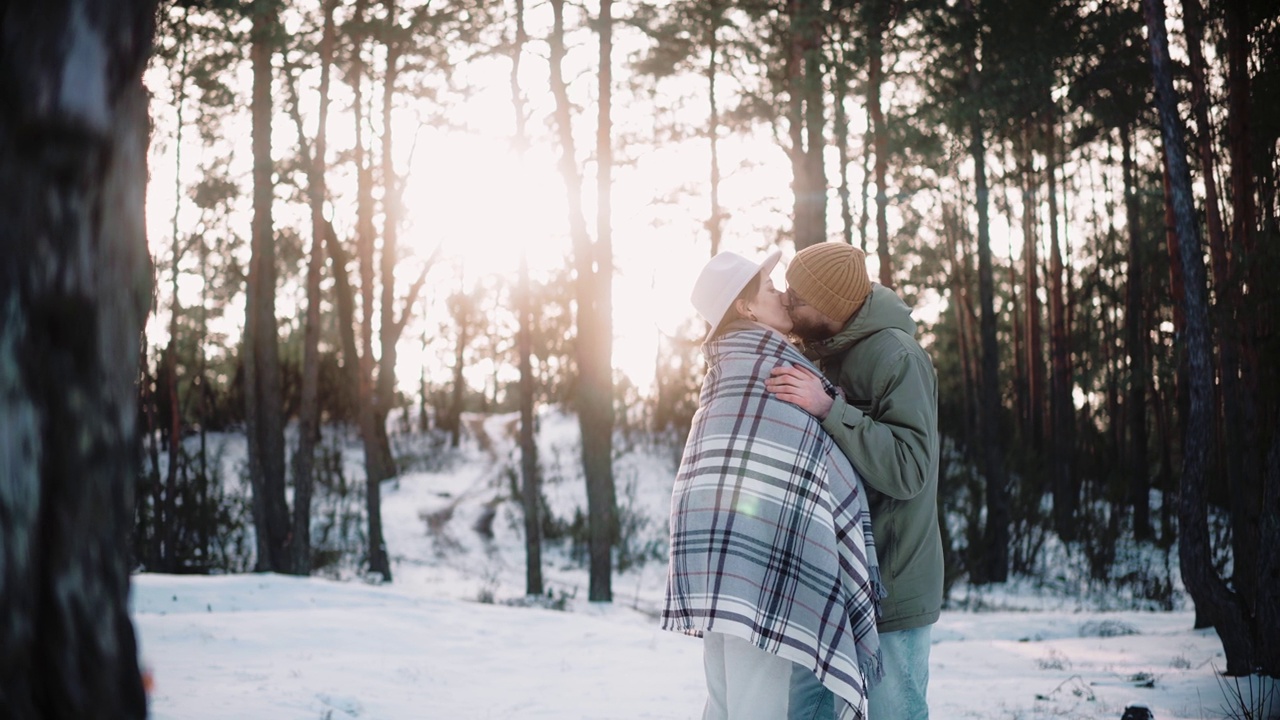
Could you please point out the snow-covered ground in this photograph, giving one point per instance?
(426, 646)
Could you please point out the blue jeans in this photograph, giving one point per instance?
(747, 683)
(901, 694)
(808, 698)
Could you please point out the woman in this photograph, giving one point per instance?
(772, 561)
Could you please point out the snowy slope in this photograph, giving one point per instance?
(262, 646)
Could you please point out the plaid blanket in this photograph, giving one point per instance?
(770, 532)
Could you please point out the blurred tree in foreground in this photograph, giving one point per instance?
(75, 284)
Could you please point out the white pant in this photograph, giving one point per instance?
(743, 681)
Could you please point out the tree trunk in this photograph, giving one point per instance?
(596, 342)
(1033, 320)
(806, 124)
(965, 321)
(715, 223)
(1062, 409)
(263, 393)
(351, 365)
(996, 535)
(309, 409)
(377, 461)
(528, 445)
(1136, 340)
(840, 82)
(1268, 608)
(875, 82)
(529, 491)
(75, 286)
(149, 484)
(1246, 490)
(592, 285)
(1227, 298)
(1019, 342)
(166, 516)
(868, 149)
(1223, 607)
(380, 464)
(459, 382)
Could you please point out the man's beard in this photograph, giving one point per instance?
(808, 329)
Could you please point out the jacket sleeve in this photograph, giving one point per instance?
(891, 451)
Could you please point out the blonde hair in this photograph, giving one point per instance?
(749, 291)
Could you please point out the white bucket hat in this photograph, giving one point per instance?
(723, 278)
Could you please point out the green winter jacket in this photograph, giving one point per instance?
(887, 425)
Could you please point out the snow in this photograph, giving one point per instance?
(425, 646)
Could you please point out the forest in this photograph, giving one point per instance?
(1083, 194)
(373, 219)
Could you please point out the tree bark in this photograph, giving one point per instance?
(1246, 490)
(75, 287)
(1061, 405)
(840, 91)
(1033, 320)
(1268, 608)
(868, 150)
(996, 535)
(377, 461)
(965, 320)
(309, 408)
(263, 384)
(1223, 607)
(596, 345)
(806, 123)
(529, 490)
(1227, 297)
(463, 316)
(594, 272)
(715, 223)
(1136, 340)
(875, 82)
(166, 514)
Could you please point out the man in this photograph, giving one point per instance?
(863, 338)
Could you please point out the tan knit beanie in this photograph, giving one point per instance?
(832, 277)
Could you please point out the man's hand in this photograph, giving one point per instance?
(800, 387)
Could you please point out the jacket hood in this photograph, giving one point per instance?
(883, 310)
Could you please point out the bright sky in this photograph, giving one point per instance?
(485, 205)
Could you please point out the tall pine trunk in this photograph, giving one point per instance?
(529, 490)
(1223, 607)
(1034, 310)
(1226, 295)
(806, 122)
(875, 83)
(309, 407)
(996, 534)
(1136, 342)
(75, 286)
(597, 436)
(841, 77)
(166, 513)
(262, 373)
(1062, 409)
(377, 458)
(592, 286)
(1246, 489)
(960, 283)
(715, 223)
